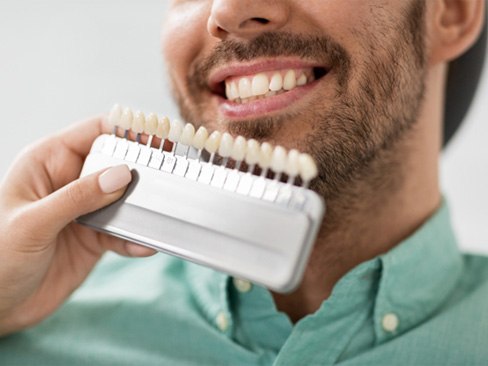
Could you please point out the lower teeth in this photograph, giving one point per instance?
(258, 97)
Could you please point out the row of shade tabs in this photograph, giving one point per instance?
(253, 153)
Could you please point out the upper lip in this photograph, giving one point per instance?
(218, 76)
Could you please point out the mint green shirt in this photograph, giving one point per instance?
(422, 303)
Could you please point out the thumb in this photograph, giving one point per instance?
(82, 196)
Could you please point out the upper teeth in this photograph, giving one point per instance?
(266, 84)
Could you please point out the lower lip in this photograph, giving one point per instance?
(257, 108)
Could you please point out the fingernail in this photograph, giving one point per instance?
(114, 178)
(136, 250)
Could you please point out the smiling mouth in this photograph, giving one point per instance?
(248, 88)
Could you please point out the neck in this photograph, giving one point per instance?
(393, 203)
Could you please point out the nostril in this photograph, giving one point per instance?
(261, 20)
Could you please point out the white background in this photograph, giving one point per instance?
(61, 61)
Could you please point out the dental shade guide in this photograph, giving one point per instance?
(188, 203)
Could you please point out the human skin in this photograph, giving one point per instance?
(373, 122)
(45, 256)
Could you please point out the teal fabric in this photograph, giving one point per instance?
(164, 311)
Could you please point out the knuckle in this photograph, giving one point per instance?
(76, 195)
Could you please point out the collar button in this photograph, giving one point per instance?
(242, 285)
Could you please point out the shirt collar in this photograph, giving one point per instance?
(210, 291)
(418, 275)
(411, 281)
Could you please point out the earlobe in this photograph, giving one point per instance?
(456, 24)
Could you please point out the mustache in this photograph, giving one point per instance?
(322, 49)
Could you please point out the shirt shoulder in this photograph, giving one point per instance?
(129, 312)
(455, 334)
(475, 269)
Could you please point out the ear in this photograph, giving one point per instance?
(454, 27)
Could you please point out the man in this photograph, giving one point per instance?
(385, 284)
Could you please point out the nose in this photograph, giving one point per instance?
(246, 18)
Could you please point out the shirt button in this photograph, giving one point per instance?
(242, 285)
(222, 321)
(390, 322)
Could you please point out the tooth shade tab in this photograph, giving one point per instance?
(187, 134)
(139, 122)
(265, 155)
(270, 158)
(307, 167)
(252, 152)
(151, 126)
(292, 163)
(213, 141)
(163, 128)
(200, 138)
(115, 115)
(278, 159)
(226, 145)
(239, 149)
(126, 119)
(175, 130)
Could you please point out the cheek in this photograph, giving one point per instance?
(351, 22)
(183, 38)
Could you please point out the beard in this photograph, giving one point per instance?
(377, 98)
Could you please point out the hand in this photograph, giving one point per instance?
(44, 255)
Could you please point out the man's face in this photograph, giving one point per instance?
(340, 79)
